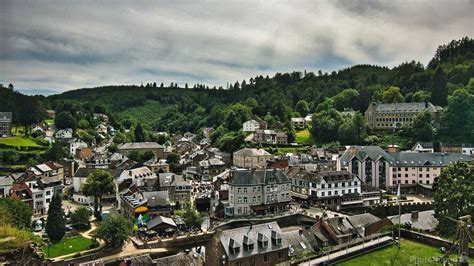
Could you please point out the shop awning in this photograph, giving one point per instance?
(141, 209)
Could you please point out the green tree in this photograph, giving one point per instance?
(16, 212)
(423, 129)
(115, 230)
(235, 115)
(56, 152)
(55, 224)
(139, 136)
(65, 120)
(345, 99)
(421, 96)
(302, 107)
(453, 195)
(80, 218)
(392, 95)
(439, 88)
(98, 183)
(190, 215)
(173, 160)
(83, 124)
(459, 115)
(325, 126)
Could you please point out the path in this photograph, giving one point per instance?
(86, 234)
(353, 249)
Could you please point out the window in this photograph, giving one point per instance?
(343, 184)
(322, 193)
(323, 185)
(406, 168)
(239, 190)
(280, 255)
(245, 199)
(349, 191)
(336, 185)
(421, 175)
(336, 192)
(266, 258)
(355, 183)
(406, 175)
(329, 185)
(413, 182)
(48, 193)
(427, 169)
(245, 190)
(329, 193)
(343, 191)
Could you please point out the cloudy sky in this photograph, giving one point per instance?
(53, 46)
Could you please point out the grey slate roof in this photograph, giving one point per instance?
(405, 107)
(258, 177)
(360, 221)
(139, 145)
(157, 198)
(235, 238)
(252, 152)
(408, 159)
(425, 221)
(160, 220)
(360, 152)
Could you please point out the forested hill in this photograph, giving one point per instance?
(186, 107)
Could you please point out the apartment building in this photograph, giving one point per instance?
(398, 115)
(259, 191)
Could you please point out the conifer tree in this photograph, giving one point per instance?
(55, 224)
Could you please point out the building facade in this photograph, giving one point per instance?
(251, 158)
(369, 163)
(5, 124)
(258, 191)
(269, 136)
(250, 126)
(398, 115)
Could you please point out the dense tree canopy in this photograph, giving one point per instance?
(98, 183)
(454, 195)
(16, 212)
(115, 230)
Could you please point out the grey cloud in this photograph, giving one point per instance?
(59, 45)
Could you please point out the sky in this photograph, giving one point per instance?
(48, 47)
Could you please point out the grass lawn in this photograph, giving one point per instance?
(303, 137)
(68, 246)
(18, 142)
(408, 253)
(284, 150)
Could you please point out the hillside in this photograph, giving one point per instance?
(163, 108)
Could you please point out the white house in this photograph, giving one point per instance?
(423, 147)
(101, 129)
(64, 134)
(251, 126)
(76, 144)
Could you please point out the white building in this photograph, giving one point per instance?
(64, 134)
(141, 176)
(258, 191)
(423, 147)
(252, 158)
(74, 145)
(251, 126)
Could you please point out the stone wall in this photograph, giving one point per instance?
(430, 240)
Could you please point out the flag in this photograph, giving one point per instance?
(398, 192)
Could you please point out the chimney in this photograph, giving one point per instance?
(130, 173)
(300, 232)
(414, 214)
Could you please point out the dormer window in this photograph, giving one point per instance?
(262, 240)
(276, 238)
(248, 244)
(234, 247)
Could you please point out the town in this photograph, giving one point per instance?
(184, 201)
(239, 133)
